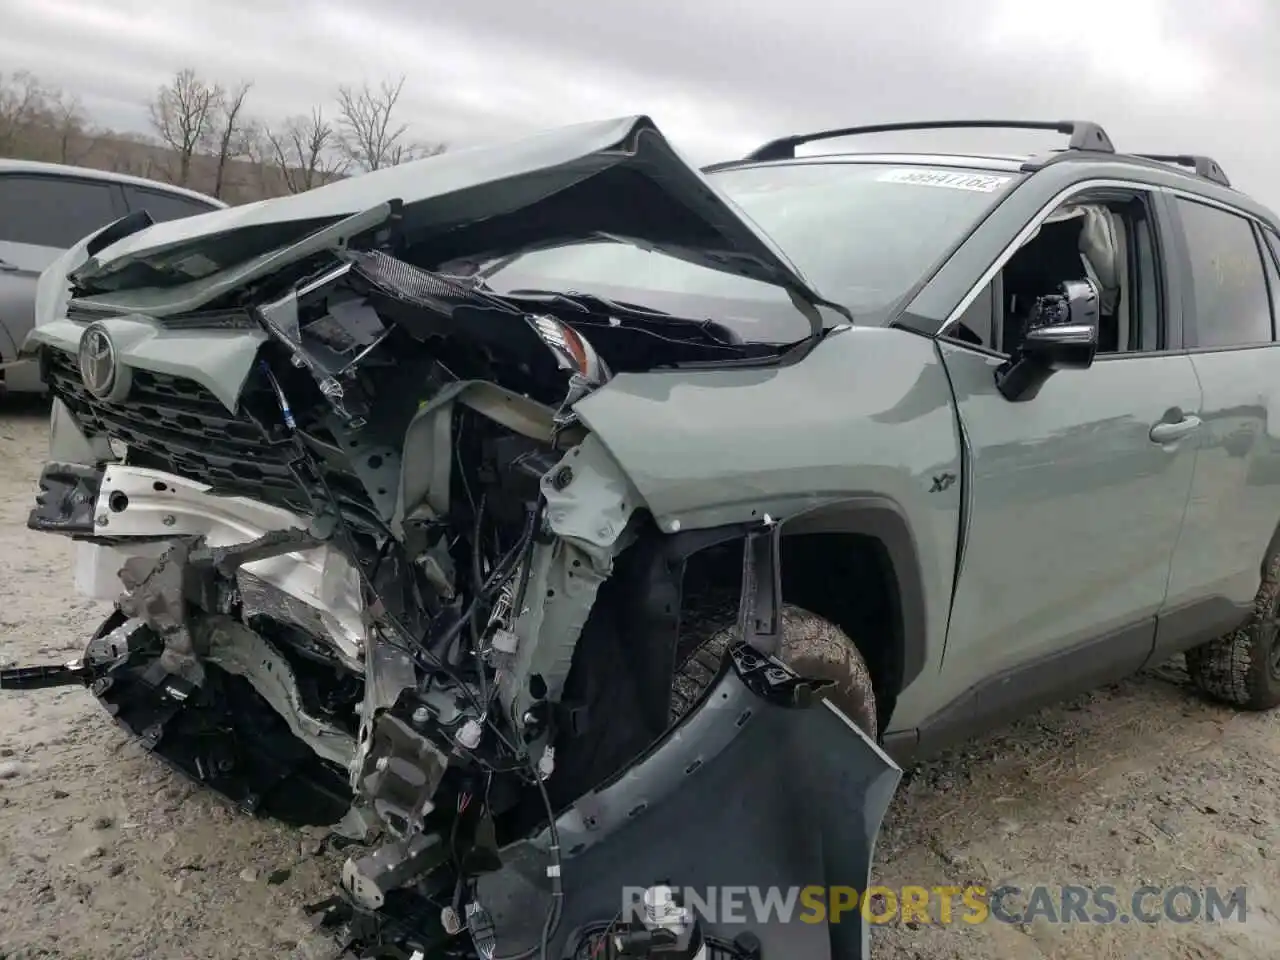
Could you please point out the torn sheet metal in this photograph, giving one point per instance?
(754, 788)
(329, 348)
(428, 442)
(589, 503)
(555, 187)
(239, 650)
(137, 502)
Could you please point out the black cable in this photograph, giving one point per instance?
(418, 649)
(517, 602)
(477, 586)
(308, 457)
(556, 908)
(502, 572)
(383, 553)
(715, 342)
(498, 577)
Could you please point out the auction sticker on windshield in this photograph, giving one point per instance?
(979, 182)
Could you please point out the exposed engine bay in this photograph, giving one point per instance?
(381, 638)
(393, 585)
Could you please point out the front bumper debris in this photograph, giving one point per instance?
(763, 790)
(67, 499)
(764, 787)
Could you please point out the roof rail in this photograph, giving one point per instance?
(1084, 134)
(1205, 167)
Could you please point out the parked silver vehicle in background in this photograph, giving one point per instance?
(46, 208)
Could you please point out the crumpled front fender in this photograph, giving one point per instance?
(751, 799)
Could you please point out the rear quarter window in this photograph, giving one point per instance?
(164, 206)
(53, 211)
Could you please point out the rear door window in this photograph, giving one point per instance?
(1273, 242)
(52, 211)
(164, 206)
(1269, 251)
(1232, 307)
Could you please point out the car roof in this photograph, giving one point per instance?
(10, 165)
(1088, 144)
(1160, 173)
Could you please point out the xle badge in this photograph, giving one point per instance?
(941, 482)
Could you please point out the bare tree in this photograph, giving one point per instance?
(69, 122)
(308, 151)
(23, 101)
(370, 137)
(129, 152)
(184, 115)
(205, 137)
(259, 158)
(404, 152)
(234, 132)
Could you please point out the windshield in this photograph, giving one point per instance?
(862, 234)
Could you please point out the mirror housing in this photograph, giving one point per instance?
(1062, 334)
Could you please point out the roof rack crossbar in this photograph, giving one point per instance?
(1205, 167)
(1084, 134)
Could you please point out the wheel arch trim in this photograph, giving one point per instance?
(883, 520)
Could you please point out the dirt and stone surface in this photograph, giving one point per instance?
(104, 853)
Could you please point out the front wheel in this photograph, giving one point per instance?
(1243, 667)
(811, 645)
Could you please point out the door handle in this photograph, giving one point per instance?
(1173, 432)
(7, 267)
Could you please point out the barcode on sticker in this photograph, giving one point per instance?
(980, 182)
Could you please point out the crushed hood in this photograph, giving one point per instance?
(619, 179)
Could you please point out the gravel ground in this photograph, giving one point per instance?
(106, 854)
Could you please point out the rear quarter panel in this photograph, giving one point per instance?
(20, 267)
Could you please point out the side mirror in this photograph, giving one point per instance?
(1061, 335)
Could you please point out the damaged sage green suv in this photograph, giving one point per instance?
(565, 518)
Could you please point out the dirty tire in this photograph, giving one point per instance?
(811, 645)
(1241, 668)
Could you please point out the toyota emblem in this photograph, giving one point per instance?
(97, 361)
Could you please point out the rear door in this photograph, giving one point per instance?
(163, 205)
(40, 217)
(1230, 284)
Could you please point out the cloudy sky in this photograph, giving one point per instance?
(718, 76)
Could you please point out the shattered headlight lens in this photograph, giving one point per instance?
(572, 349)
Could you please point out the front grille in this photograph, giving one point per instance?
(176, 425)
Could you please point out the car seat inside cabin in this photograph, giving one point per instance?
(1076, 242)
